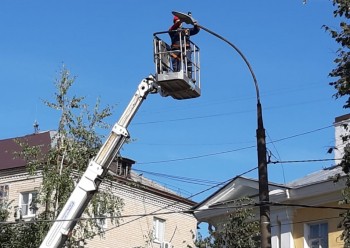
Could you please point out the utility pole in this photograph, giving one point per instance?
(265, 227)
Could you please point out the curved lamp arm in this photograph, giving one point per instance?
(188, 19)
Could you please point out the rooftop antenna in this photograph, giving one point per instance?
(36, 127)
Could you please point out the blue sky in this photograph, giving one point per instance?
(108, 46)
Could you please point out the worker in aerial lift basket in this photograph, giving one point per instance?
(174, 32)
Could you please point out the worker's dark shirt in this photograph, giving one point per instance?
(175, 36)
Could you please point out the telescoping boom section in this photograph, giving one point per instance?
(98, 166)
(96, 170)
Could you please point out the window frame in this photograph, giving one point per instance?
(321, 237)
(158, 230)
(29, 212)
(4, 192)
(101, 221)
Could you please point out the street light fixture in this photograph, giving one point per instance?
(265, 227)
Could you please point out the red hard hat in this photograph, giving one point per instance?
(176, 18)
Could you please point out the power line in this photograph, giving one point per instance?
(304, 206)
(222, 114)
(301, 134)
(201, 192)
(227, 100)
(190, 118)
(304, 161)
(155, 212)
(178, 178)
(181, 191)
(230, 151)
(208, 182)
(188, 211)
(198, 156)
(139, 216)
(308, 221)
(270, 154)
(199, 105)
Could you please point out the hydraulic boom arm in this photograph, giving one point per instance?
(97, 170)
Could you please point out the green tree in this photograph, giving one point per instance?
(341, 72)
(341, 83)
(241, 230)
(76, 142)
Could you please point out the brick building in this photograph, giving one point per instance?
(153, 216)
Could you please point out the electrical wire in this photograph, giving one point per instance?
(305, 161)
(279, 157)
(178, 178)
(303, 206)
(198, 193)
(196, 157)
(233, 150)
(304, 133)
(221, 114)
(228, 100)
(307, 221)
(187, 211)
(156, 212)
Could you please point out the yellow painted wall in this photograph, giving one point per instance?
(308, 215)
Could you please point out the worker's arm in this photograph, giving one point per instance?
(195, 30)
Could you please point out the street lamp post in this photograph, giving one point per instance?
(265, 227)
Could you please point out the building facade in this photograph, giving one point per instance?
(152, 215)
(304, 213)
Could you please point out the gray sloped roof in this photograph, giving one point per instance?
(323, 175)
(317, 176)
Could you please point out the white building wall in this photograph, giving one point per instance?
(281, 228)
(340, 131)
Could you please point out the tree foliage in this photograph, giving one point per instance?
(240, 230)
(341, 72)
(76, 142)
(341, 83)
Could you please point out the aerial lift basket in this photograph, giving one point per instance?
(185, 82)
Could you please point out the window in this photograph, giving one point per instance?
(101, 216)
(102, 221)
(158, 230)
(318, 235)
(28, 204)
(4, 193)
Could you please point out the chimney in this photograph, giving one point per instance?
(122, 166)
(340, 125)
